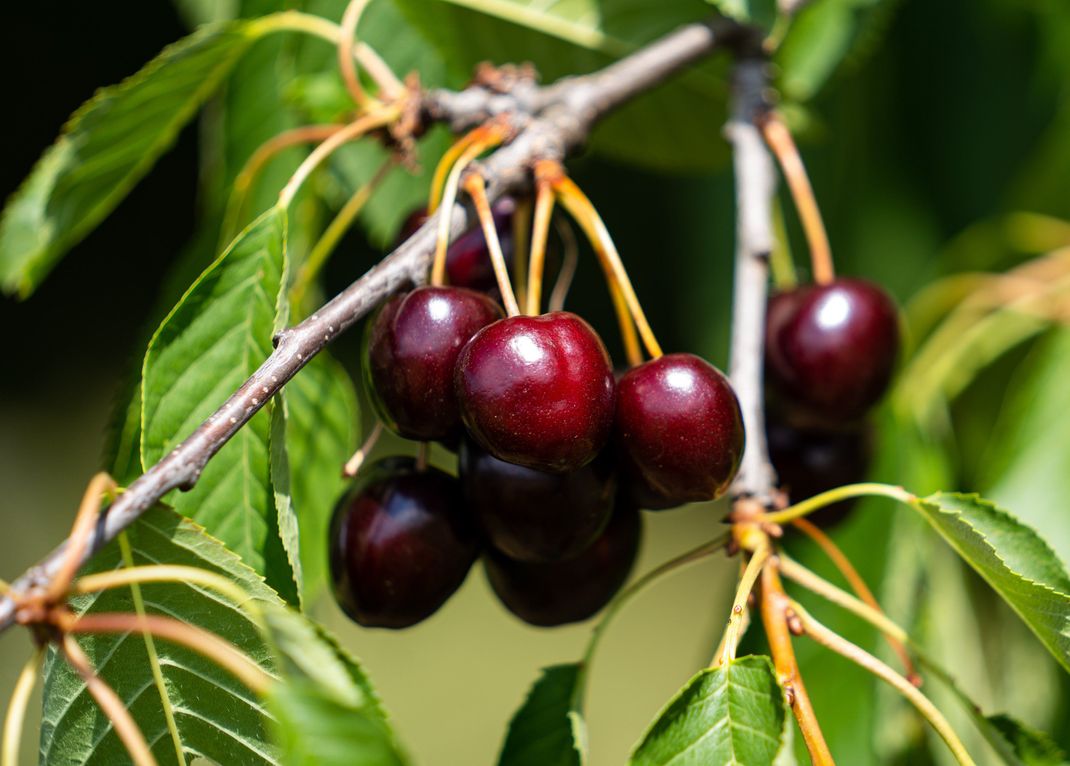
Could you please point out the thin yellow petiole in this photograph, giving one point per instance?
(352, 466)
(477, 190)
(88, 513)
(521, 247)
(544, 209)
(575, 201)
(110, 704)
(346, 65)
(570, 258)
(488, 132)
(736, 619)
(812, 504)
(16, 708)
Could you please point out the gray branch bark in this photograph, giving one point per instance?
(549, 123)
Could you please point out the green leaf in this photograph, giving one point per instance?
(215, 337)
(1012, 558)
(321, 433)
(734, 714)
(1020, 745)
(760, 12)
(674, 127)
(216, 717)
(106, 147)
(545, 731)
(279, 477)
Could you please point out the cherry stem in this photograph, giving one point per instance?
(371, 121)
(544, 209)
(100, 485)
(858, 585)
(569, 261)
(334, 232)
(110, 704)
(812, 504)
(17, 706)
(243, 182)
(354, 463)
(487, 135)
(779, 139)
(521, 247)
(423, 456)
(625, 596)
(477, 190)
(856, 654)
(775, 608)
(346, 65)
(209, 645)
(579, 206)
(736, 618)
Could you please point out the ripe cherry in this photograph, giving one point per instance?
(537, 391)
(830, 349)
(809, 461)
(532, 515)
(411, 348)
(400, 544)
(569, 591)
(679, 431)
(467, 259)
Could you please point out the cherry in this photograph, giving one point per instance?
(809, 461)
(569, 591)
(467, 259)
(537, 391)
(830, 349)
(679, 431)
(411, 347)
(400, 544)
(532, 515)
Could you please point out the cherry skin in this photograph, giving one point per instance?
(679, 431)
(532, 515)
(411, 349)
(831, 349)
(809, 461)
(400, 544)
(569, 591)
(468, 259)
(537, 391)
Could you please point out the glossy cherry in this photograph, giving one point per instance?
(532, 515)
(569, 591)
(809, 461)
(411, 347)
(537, 391)
(400, 544)
(679, 431)
(467, 259)
(830, 349)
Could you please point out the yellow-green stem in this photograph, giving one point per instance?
(17, 706)
(736, 618)
(812, 504)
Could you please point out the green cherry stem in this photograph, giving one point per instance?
(810, 505)
(477, 190)
(569, 261)
(737, 617)
(346, 65)
(16, 708)
(544, 209)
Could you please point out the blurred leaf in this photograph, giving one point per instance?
(1012, 558)
(760, 12)
(673, 127)
(215, 715)
(732, 714)
(321, 433)
(545, 731)
(213, 339)
(1021, 746)
(106, 147)
(1027, 460)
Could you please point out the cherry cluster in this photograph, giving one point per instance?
(555, 455)
(830, 350)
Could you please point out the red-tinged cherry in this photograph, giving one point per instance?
(830, 349)
(537, 391)
(809, 461)
(532, 515)
(569, 591)
(679, 431)
(400, 544)
(411, 349)
(467, 259)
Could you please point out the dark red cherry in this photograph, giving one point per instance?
(400, 544)
(809, 461)
(569, 591)
(411, 349)
(830, 349)
(679, 431)
(532, 515)
(537, 391)
(468, 259)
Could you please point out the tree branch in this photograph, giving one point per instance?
(548, 123)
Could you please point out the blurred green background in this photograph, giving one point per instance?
(945, 119)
